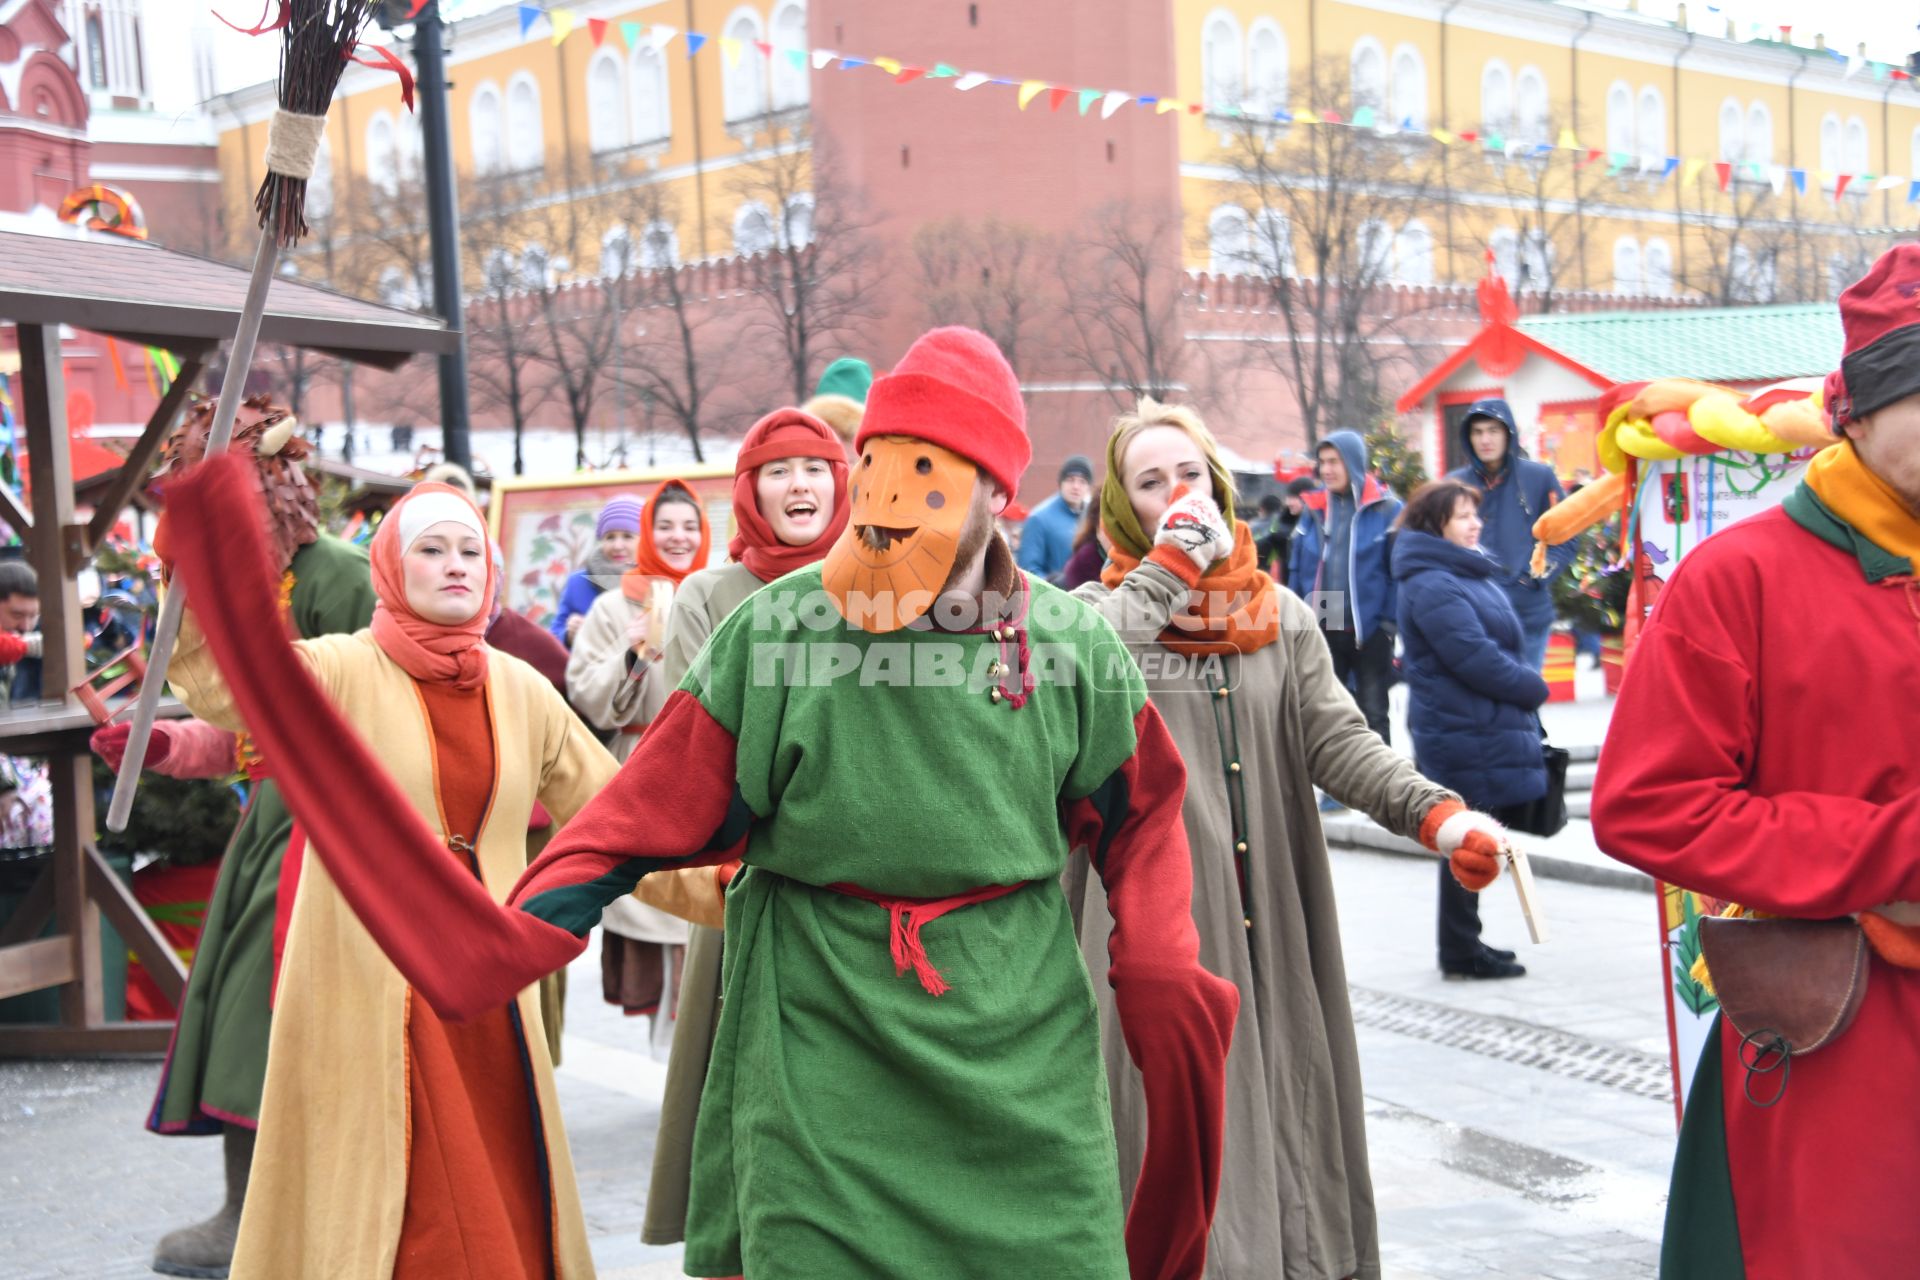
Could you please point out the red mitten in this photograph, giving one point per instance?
(109, 742)
(1472, 843)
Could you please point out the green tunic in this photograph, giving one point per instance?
(218, 1060)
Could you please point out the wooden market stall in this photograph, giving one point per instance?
(150, 296)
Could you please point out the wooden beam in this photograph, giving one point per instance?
(32, 913)
(126, 914)
(117, 1039)
(133, 472)
(34, 966)
(43, 403)
(81, 1000)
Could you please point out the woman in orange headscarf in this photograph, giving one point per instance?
(392, 1142)
(611, 680)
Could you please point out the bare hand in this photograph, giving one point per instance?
(573, 626)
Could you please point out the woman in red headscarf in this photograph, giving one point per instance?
(789, 505)
(391, 1142)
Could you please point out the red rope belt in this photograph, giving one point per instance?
(910, 914)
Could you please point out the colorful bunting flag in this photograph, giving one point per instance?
(796, 58)
(1777, 179)
(889, 65)
(941, 71)
(1087, 98)
(907, 75)
(852, 64)
(1692, 172)
(660, 36)
(971, 80)
(1913, 191)
(1112, 103)
(821, 57)
(597, 28)
(1799, 177)
(1363, 118)
(732, 50)
(766, 50)
(562, 20)
(1332, 117)
(1567, 141)
(1030, 90)
(1165, 105)
(1666, 171)
(1723, 172)
(694, 41)
(630, 33)
(1888, 182)
(528, 14)
(1840, 186)
(1444, 138)
(1307, 117)
(1056, 96)
(1593, 153)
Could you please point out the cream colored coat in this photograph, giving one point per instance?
(329, 1180)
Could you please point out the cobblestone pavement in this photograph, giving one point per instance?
(1517, 1130)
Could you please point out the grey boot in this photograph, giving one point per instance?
(205, 1249)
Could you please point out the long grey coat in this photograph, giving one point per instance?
(1296, 1198)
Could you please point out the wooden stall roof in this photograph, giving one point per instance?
(154, 296)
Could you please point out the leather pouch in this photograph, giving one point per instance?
(1789, 987)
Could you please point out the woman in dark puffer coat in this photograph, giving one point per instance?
(1474, 705)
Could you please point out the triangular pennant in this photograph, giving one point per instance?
(1617, 161)
(597, 28)
(889, 65)
(694, 42)
(1647, 163)
(562, 20)
(1363, 118)
(1880, 70)
(1593, 153)
(1888, 182)
(1167, 104)
(1332, 117)
(971, 80)
(1113, 102)
(1755, 172)
(1913, 191)
(766, 50)
(1283, 115)
(1056, 96)
(1146, 100)
(1898, 74)
(1469, 135)
(1799, 180)
(907, 75)
(1666, 170)
(1030, 90)
(630, 33)
(1692, 173)
(852, 64)
(529, 13)
(1194, 108)
(941, 71)
(1840, 186)
(660, 36)
(821, 57)
(1307, 117)
(1494, 142)
(1786, 34)
(1723, 173)
(1567, 141)
(732, 50)
(1444, 138)
(1777, 179)
(796, 58)
(1406, 124)
(1087, 98)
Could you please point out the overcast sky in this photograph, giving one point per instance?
(1888, 27)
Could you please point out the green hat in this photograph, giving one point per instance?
(847, 376)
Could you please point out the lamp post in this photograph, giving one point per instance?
(430, 60)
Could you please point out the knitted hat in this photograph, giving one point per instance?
(847, 377)
(1880, 314)
(1077, 465)
(953, 388)
(622, 513)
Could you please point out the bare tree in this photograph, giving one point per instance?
(990, 274)
(1329, 226)
(1745, 247)
(814, 260)
(1120, 284)
(1542, 189)
(505, 368)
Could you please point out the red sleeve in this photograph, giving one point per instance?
(1671, 793)
(466, 953)
(12, 648)
(1176, 1017)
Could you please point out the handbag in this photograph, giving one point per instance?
(1547, 815)
(1788, 987)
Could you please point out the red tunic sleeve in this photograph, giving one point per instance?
(1176, 1017)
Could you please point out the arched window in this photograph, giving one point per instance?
(320, 183)
(745, 84)
(660, 247)
(1626, 266)
(484, 123)
(1496, 98)
(1409, 88)
(1369, 71)
(1273, 244)
(1657, 269)
(1504, 245)
(616, 253)
(96, 52)
(652, 109)
(790, 87)
(1620, 120)
(1229, 241)
(1733, 132)
(1413, 255)
(1752, 277)
(1650, 131)
(1374, 244)
(606, 102)
(383, 156)
(536, 265)
(752, 229)
(796, 226)
(499, 271)
(525, 144)
(1267, 66)
(1759, 134)
(1830, 148)
(1536, 262)
(1530, 106)
(1220, 62)
(1858, 156)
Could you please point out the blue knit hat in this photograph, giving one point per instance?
(619, 513)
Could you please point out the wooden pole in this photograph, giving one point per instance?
(232, 387)
(1523, 886)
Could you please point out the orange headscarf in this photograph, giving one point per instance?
(648, 564)
(449, 654)
(784, 433)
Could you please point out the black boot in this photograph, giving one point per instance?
(205, 1249)
(1498, 953)
(1483, 965)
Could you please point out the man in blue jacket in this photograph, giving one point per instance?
(1339, 563)
(1046, 540)
(1518, 492)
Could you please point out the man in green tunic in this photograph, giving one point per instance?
(214, 1069)
(906, 1076)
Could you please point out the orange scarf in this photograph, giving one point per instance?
(433, 651)
(1238, 610)
(648, 564)
(1866, 502)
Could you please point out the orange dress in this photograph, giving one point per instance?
(479, 1203)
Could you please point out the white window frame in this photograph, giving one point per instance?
(608, 120)
(1832, 154)
(1629, 269)
(383, 153)
(1376, 91)
(791, 86)
(489, 155)
(1268, 94)
(741, 216)
(1496, 114)
(789, 216)
(529, 151)
(1222, 86)
(743, 88)
(1857, 154)
(1731, 145)
(1229, 241)
(1657, 279)
(647, 75)
(1759, 140)
(1408, 92)
(1622, 121)
(1413, 252)
(660, 235)
(1531, 125)
(1650, 135)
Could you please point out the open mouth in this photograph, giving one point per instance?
(879, 537)
(801, 510)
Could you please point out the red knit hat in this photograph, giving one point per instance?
(1881, 316)
(953, 388)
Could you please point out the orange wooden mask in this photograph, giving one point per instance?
(909, 503)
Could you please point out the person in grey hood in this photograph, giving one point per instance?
(1517, 491)
(1339, 562)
